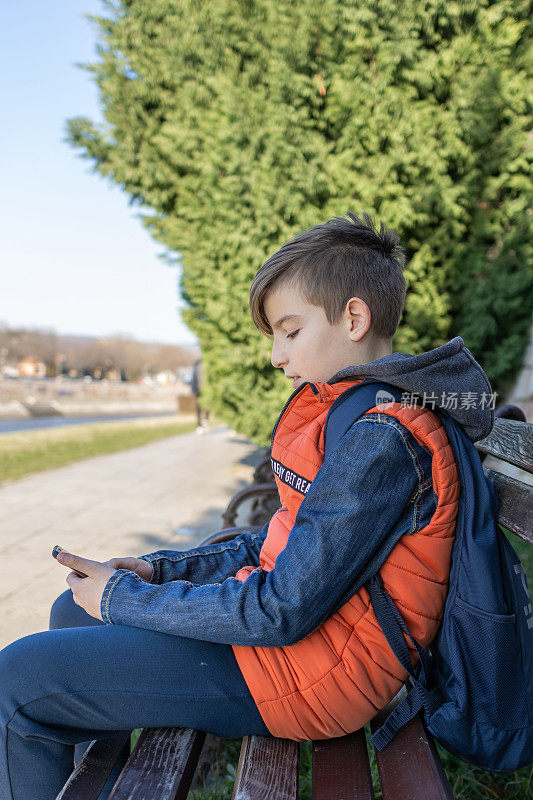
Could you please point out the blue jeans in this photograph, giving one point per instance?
(82, 680)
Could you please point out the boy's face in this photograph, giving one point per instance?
(306, 346)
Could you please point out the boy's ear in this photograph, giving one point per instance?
(358, 317)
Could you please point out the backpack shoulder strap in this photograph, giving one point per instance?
(344, 412)
(351, 405)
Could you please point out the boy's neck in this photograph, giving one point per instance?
(362, 353)
(370, 351)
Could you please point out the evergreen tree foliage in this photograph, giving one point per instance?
(235, 124)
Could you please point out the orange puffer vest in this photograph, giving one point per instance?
(338, 677)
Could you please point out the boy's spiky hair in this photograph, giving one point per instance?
(333, 262)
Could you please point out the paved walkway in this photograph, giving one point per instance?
(165, 495)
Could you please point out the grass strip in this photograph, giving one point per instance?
(33, 451)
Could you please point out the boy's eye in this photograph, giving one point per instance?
(293, 334)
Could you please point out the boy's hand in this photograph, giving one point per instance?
(142, 568)
(87, 592)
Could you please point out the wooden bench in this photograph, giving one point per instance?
(163, 762)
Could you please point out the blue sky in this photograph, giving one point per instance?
(73, 254)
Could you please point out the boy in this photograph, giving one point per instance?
(288, 604)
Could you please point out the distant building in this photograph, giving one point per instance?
(113, 374)
(166, 377)
(31, 367)
(10, 372)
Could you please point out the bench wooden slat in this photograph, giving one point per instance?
(341, 768)
(516, 504)
(90, 775)
(267, 770)
(410, 768)
(510, 441)
(161, 766)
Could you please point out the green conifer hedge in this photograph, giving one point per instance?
(235, 124)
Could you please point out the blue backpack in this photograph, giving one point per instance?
(474, 686)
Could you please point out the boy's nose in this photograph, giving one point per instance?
(277, 358)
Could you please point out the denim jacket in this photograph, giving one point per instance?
(374, 487)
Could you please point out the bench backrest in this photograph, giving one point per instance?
(511, 441)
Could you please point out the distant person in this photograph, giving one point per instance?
(196, 388)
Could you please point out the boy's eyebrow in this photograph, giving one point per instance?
(285, 317)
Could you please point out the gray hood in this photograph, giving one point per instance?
(448, 368)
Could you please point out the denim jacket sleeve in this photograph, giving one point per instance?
(364, 497)
(210, 563)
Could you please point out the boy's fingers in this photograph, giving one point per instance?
(72, 580)
(66, 558)
(75, 562)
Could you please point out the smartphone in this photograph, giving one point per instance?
(57, 549)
